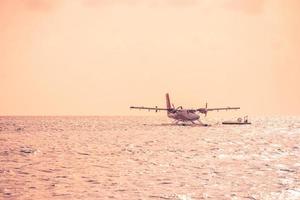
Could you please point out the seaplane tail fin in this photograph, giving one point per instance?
(168, 101)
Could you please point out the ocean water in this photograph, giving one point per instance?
(147, 158)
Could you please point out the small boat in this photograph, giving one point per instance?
(239, 121)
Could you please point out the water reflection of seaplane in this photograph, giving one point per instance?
(183, 115)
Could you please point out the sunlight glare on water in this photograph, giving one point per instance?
(145, 158)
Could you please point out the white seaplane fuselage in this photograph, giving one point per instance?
(183, 115)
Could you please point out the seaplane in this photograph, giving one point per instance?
(180, 114)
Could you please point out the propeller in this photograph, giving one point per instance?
(206, 109)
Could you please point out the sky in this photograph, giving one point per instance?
(98, 57)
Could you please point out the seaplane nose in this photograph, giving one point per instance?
(196, 117)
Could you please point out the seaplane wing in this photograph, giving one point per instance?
(150, 108)
(205, 110)
(226, 108)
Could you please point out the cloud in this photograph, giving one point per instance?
(93, 3)
(41, 5)
(251, 7)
